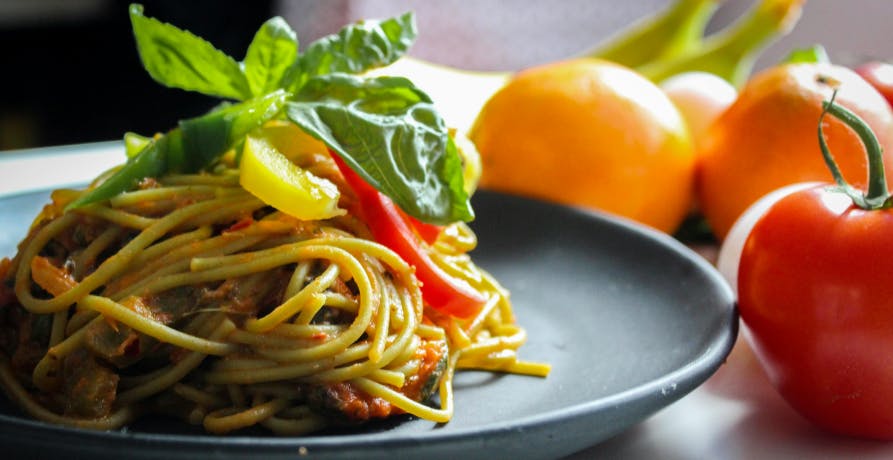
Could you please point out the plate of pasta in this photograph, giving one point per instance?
(629, 321)
(308, 269)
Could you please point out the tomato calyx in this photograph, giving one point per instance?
(411, 240)
(877, 196)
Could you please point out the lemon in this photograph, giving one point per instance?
(271, 176)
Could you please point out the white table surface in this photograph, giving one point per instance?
(25, 170)
(736, 414)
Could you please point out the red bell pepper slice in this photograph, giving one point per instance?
(427, 232)
(394, 229)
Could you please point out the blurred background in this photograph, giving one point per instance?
(71, 74)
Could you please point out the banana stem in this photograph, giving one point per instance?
(677, 30)
(731, 53)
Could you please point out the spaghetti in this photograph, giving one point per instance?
(189, 296)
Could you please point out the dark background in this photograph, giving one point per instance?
(76, 77)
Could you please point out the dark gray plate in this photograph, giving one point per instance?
(630, 320)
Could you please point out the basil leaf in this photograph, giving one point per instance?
(388, 131)
(179, 59)
(355, 49)
(454, 173)
(271, 53)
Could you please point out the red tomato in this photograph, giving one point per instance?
(815, 296)
(880, 75)
(812, 267)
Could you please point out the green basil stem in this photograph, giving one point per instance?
(877, 196)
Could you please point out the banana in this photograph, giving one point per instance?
(731, 53)
(677, 30)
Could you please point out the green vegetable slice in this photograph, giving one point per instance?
(189, 148)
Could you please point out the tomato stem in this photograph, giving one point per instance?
(877, 197)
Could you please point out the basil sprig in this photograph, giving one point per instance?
(385, 128)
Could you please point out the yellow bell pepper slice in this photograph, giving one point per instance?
(291, 140)
(272, 177)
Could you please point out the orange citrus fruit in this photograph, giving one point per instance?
(768, 138)
(588, 133)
